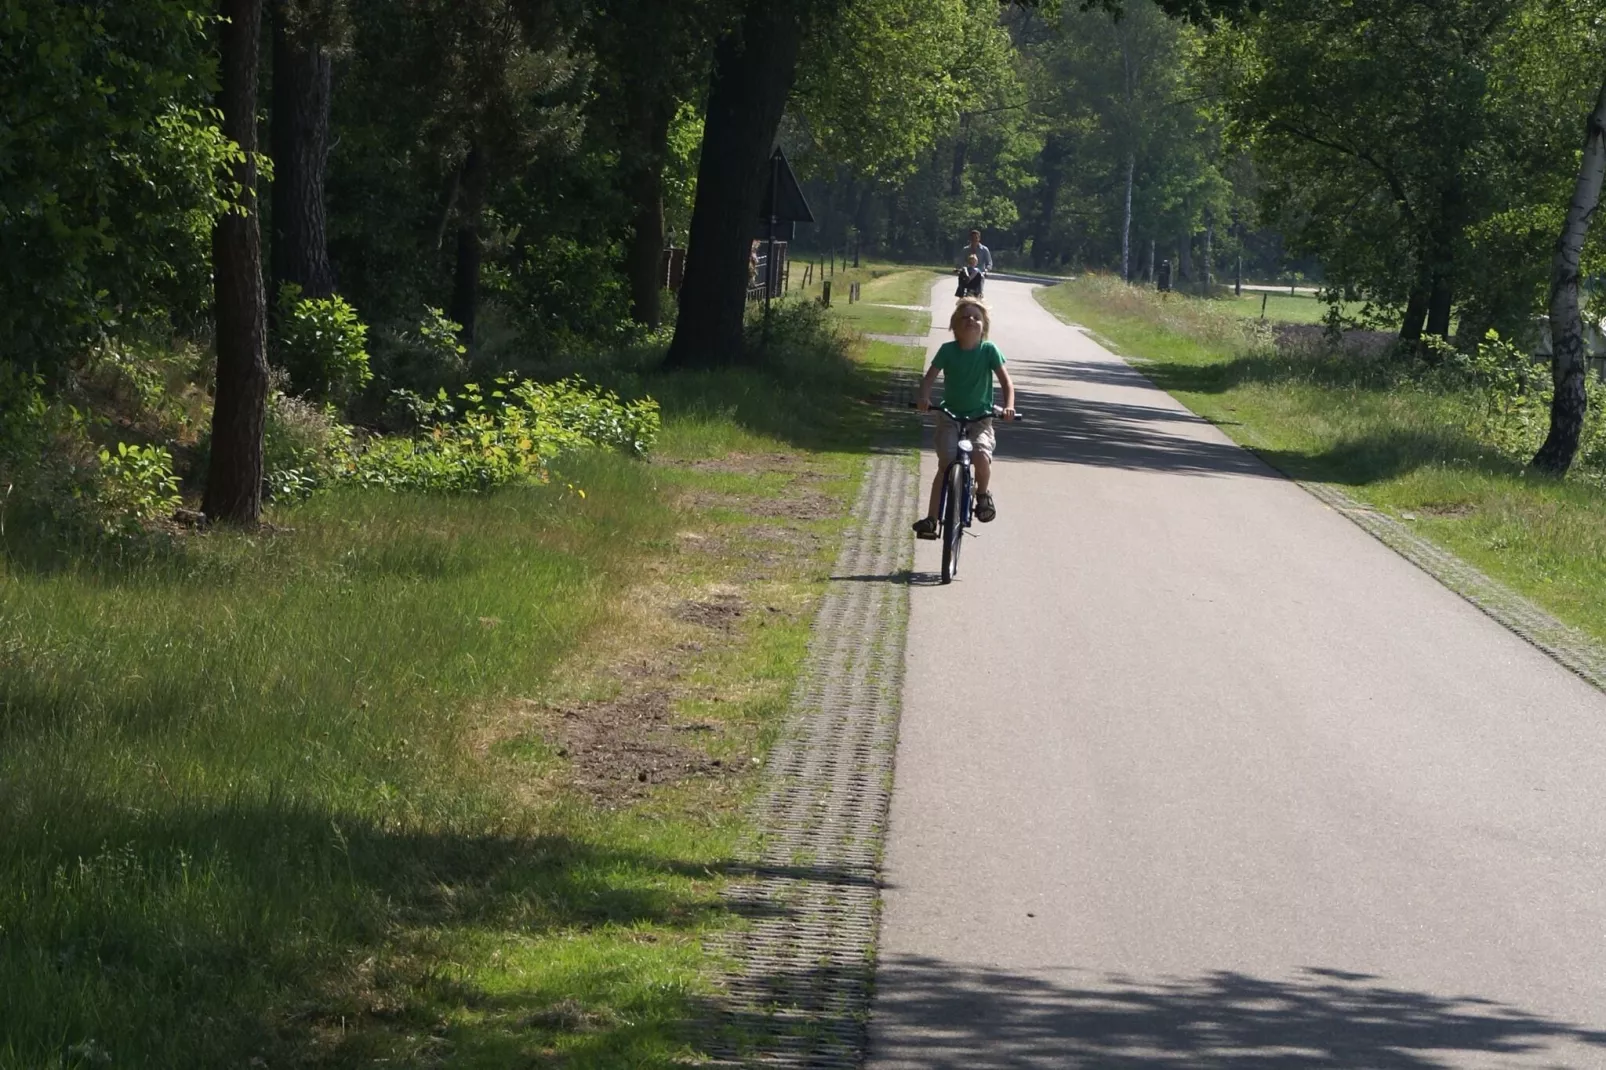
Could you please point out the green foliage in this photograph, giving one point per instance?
(512, 433)
(322, 345)
(881, 81)
(1417, 147)
(46, 462)
(110, 167)
(1510, 399)
(423, 359)
(137, 486)
(305, 447)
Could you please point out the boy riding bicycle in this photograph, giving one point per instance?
(967, 365)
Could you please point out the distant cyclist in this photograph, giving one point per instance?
(970, 276)
(983, 255)
(975, 263)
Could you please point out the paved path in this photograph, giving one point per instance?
(1223, 782)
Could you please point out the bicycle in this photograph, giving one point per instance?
(958, 490)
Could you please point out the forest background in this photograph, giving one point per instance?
(448, 192)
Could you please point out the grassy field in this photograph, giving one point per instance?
(1409, 445)
(1278, 307)
(416, 781)
(881, 285)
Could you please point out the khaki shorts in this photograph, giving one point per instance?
(982, 439)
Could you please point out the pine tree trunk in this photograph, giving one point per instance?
(644, 256)
(1569, 405)
(302, 81)
(470, 251)
(1126, 220)
(234, 474)
(1185, 257)
(1209, 253)
(754, 66)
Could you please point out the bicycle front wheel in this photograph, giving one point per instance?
(953, 528)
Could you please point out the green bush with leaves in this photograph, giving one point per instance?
(112, 159)
(137, 486)
(322, 344)
(47, 463)
(512, 433)
(305, 447)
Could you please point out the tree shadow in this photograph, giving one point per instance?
(214, 934)
(1138, 437)
(936, 1014)
(1122, 435)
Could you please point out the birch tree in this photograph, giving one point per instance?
(1569, 403)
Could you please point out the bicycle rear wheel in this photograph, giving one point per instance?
(953, 529)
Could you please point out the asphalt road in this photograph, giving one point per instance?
(1195, 773)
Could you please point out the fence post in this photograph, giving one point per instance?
(825, 293)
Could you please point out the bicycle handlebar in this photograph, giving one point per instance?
(997, 414)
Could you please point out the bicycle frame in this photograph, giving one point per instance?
(962, 460)
(955, 517)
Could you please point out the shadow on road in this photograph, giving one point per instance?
(939, 1015)
(1110, 434)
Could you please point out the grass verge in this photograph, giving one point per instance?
(415, 780)
(882, 285)
(1413, 445)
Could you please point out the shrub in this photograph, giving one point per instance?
(305, 447)
(512, 433)
(322, 345)
(423, 360)
(47, 464)
(137, 486)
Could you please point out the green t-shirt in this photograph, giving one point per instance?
(967, 377)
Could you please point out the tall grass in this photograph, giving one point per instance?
(1421, 441)
(251, 808)
(235, 770)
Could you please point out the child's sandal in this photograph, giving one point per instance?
(985, 510)
(926, 527)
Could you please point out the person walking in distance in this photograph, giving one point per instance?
(983, 255)
(967, 365)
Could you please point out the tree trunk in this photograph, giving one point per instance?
(754, 66)
(302, 81)
(1126, 220)
(1185, 257)
(651, 114)
(1440, 301)
(234, 473)
(644, 254)
(1569, 404)
(1209, 252)
(470, 251)
(956, 174)
(1416, 313)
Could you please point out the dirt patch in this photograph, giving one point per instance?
(619, 749)
(795, 503)
(721, 611)
(1447, 509)
(747, 463)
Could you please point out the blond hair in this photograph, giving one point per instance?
(986, 320)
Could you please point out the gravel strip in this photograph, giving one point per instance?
(798, 994)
